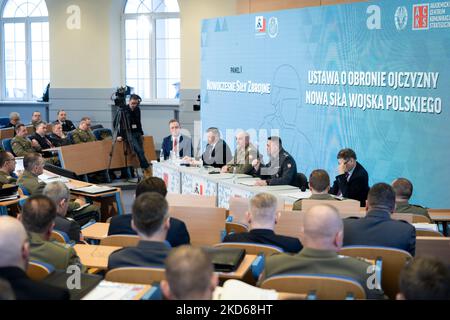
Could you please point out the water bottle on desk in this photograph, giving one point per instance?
(161, 156)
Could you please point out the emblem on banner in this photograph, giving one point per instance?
(401, 18)
(273, 27)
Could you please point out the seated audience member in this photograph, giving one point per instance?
(40, 136)
(321, 236)
(319, 184)
(29, 183)
(67, 125)
(14, 120)
(36, 118)
(151, 222)
(21, 145)
(14, 257)
(121, 224)
(424, 279)
(217, 153)
(189, 275)
(377, 228)
(262, 218)
(58, 137)
(353, 180)
(83, 133)
(403, 191)
(281, 169)
(60, 195)
(38, 217)
(244, 155)
(7, 168)
(180, 144)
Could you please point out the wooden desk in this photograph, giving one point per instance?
(435, 247)
(12, 207)
(90, 157)
(94, 256)
(243, 272)
(97, 231)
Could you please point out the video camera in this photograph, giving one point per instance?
(119, 97)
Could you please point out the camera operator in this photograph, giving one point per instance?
(134, 127)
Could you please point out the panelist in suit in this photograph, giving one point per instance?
(352, 181)
(281, 168)
(377, 228)
(180, 144)
(177, 234)
(262, 218)
(319, 184)
(14, 257)
(217, 153)
(60, 195)
(321, 233)
(67, 125)
(151, 221)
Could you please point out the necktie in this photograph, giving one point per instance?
(175, 144)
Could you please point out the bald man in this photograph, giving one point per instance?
(14, 256)
(321, 234)
(244, 155)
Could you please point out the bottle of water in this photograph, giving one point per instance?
(161, 156)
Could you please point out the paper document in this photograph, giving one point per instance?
(47, 178)
(107, 290)
(297, 194)
(238, 290)
(426, 226)
(94, 189)
(248, 181)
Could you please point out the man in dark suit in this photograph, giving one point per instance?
(151, 221)
(217, 153)
(262, 218)
(321, 234)
(60, 195)
(377, 228)
(177, 234)
(176, 142)
(280, 170)
(67, 125)
(14, 255)
(352, 181)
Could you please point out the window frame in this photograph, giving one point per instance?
(153, 17)
(28, 53)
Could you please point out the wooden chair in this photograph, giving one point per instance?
(235, 227)
(324, 287)
(136, 275)
(251, 248)
(38, 271)
(120, 240)
(60, 236)
(347, 208)
(411, 218)
(205, 225)
(191, 200)
(433, 247)
(428, 233)
(393, 261)
(289, 223)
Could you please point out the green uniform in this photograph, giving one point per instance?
(30, 182)
(242, 160)
(59, 255)
(81, 136)
(6, 178)
(321, 262)
(405, 207)
(326, 196)
(21, 146)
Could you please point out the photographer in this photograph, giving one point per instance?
(132, 126)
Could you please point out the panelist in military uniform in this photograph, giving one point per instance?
(83, 133)
(244, 155)
(403, 191)
(280, 170)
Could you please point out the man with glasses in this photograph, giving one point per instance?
(7, 167)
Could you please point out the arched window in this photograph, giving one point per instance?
(25, 49)
(152, 48)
